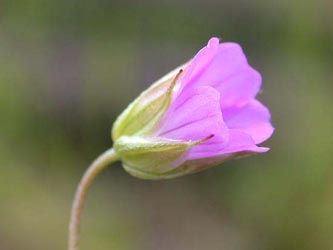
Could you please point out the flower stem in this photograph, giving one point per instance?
(89, 176)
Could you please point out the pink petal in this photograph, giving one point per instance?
(252, 119)
(239, 88)
(238, 142)
(228, 71)
(201, 60)
(197, 117)
(241, 142)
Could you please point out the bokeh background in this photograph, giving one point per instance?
(68, 68)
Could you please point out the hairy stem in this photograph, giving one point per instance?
(81, 193)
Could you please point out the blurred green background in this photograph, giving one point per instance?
(68, 68)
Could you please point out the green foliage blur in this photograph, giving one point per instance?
(68, 68)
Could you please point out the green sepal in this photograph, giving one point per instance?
(185, 168)
(144, 113)
(153, 155)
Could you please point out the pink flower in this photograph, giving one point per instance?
(199, 115)
(209, 105)
(217, 97)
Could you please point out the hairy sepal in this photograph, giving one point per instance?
(144, 113)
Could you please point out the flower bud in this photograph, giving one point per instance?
(199, 115)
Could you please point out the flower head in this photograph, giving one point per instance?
(199, 115)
